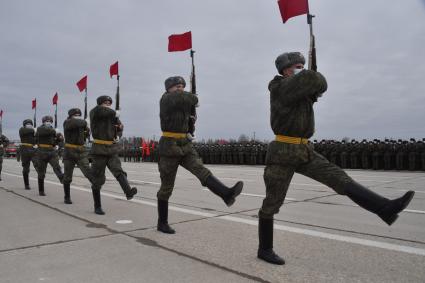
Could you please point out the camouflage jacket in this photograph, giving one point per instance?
(27, 135)
(291, 103)
(175, 110)
(46, 135)
(75, 130)
(102, 122)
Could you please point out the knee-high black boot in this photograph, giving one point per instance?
(26, 181)
(227, 194)
(265, 247)
(129, 191)
(97, 202)
(386, 209)
(67, 193)
(41, 187)
(163, 218)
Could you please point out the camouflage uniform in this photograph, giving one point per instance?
(104, 152)
(76, 132)
(4, 142)
(176, 149)
(292, 121)
(46, 153)
(27, 150)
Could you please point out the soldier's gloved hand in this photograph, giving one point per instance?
(57, 131)
(56, 147)
(190, 137)
(117, 113)
(1, 146)
(35, 146)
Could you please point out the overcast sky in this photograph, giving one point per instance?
(371, 52)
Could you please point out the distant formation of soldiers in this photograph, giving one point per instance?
(385, 154)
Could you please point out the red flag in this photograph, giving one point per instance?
(1, 114)
(113, 70)
(34, 103)
(82, 84)
(55, 99)
(292, 8)
(180, 42)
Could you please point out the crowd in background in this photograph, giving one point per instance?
(375, 154)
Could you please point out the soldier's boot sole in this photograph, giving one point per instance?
(129, 195)
(270, 256)
(237, 189)
(390, 212)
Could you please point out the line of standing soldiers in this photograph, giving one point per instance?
(376, 154)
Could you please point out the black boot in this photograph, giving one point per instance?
(265, 236)
(386, 209)
(41, 187)
(67, 193)
(129, 191)
(163, 218)
(227, 194)
(26, 181)
(97, 203)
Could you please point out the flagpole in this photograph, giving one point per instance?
(312, 64)
(85, 104)
(56, 115)
(35, 114)
(192, 77)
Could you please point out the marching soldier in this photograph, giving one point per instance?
(292, 95)
(106, 127)
(47, 140)
(175, 148)
(76, 132)
(27, 150)
(4, 142)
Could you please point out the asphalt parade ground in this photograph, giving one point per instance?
(323, 237)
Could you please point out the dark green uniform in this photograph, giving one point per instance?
(46, 154)
(4, 142)
(27, 152)
(75, 153)
(176, 149)
(174, 113)
(104, 152)
(291, 100)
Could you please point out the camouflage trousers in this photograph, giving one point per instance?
(44, 157)
(172, 155)
(79, 157)
(283, 160)
(27, 156)
(98, 166)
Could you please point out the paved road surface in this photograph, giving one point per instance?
(323, 237)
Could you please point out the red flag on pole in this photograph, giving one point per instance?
(34, 104)
(55, 99)
(180, 42)
(113, 70)
(292, 8)
(82, 84)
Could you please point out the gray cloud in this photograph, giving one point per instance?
(372, 56)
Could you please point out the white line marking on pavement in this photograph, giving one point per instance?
(313, 233)
(255, 195)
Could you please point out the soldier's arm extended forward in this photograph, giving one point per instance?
(303, 85)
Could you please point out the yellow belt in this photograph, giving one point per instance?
(73, 145)
(174, 135)
(27, 144)
(291, 140)
(45, 145)
(103, 142)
